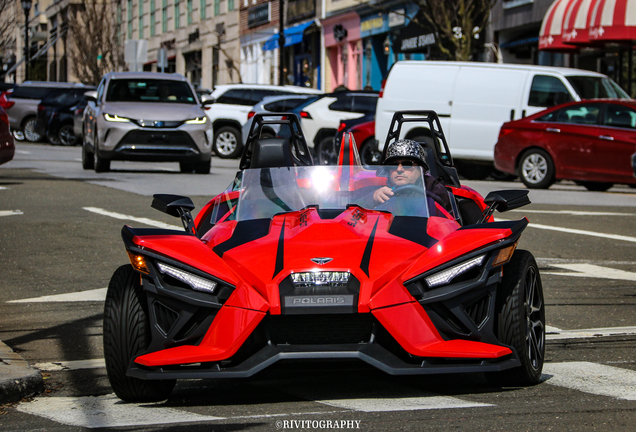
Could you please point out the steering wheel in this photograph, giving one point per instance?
(408, 189)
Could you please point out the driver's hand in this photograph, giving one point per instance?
(382, 195)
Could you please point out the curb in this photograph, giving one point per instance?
(17, 379)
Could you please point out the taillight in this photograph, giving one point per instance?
(250, 114)
(305, 114)
(283, 118)
(40, 107)
(79, 110)
(4, 118)
(8, 104)
(382, 88)
(342, 126)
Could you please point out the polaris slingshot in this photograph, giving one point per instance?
(293, 262)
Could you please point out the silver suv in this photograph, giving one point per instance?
(146, 116)
(23, 113)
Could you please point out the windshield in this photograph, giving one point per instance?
(269, 191)
(150, 90)
(591, 87)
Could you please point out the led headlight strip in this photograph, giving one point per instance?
(445, 276)
(308, 279)
(198, 120)
(196, 282)
(115, 118)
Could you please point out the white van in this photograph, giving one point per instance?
(473, 100)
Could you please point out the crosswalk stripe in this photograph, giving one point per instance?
(553, 333)
(90, 295)
(10, 212)
(590, 270)
(121, 216)
(592, 378)
(402, 404)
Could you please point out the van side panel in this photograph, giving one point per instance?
(416, 86)
(482, 101)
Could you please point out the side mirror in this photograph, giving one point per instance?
(505, 200)
(91, 96)
(177, 206)
(207, 100)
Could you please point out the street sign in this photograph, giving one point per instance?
(162, 59)
(136, 54)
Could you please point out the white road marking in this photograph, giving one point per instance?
(10, 212)
(552, 333)
(590, 270)
(22, 152)
(575, 213)
(71, 365)
(584, 232)
(106, 412)
(2, 188)
(402, 404)
(90, 295)
(592, 378)
(144, 221)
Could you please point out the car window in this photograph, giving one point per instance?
(260, 94)
(591, 87)
(100, 90)
(620, 116)
(578, 114)
(284, 104)
(236, 97)
(27, 92)
(342, 104)
(547, 91)
(364, 104)
(149, 90)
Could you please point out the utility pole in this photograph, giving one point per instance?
(281, 42)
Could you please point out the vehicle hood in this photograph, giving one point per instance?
(153, 111)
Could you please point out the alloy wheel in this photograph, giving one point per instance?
(535, 331)
(226, 143)
(534, 168)
(67, 136)
(29, 131)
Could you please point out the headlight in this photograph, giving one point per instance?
(115, 118)
(196, 282)
(198, 120)
(309, 279)
(445, 276)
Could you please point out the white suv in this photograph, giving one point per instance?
(229, 111)
(320, 119)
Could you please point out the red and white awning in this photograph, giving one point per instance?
(612, 20)
(575, 22)
(551, 33)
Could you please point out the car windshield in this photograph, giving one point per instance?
(269, 191)
(150, 90)
(591, 87)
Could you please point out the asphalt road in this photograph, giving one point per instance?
(60, 235)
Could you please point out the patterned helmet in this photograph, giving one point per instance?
(406, 149)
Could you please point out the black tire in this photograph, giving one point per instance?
(127, 335)
(227, 142)
(326, 152)
(536, 169)
(99, 163)
(87, 158)
(186, 167)
(369, 153)
(29, 130)
(203, 167)
(53, 139)
(66, 135)
(521, 320)
(596, 186)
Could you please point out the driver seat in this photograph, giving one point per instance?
(271, 153)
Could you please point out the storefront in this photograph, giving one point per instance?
(258, 66)
(343, 52)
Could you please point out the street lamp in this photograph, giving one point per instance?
(26, 5)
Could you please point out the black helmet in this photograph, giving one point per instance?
(406, 149)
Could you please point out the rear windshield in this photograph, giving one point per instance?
(30, 92)
(590, 87)
(284, 104)
(150, 90)
(63, 97)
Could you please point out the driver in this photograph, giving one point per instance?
(405, 155)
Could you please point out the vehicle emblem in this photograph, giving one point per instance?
(321, 261)
(158, 124)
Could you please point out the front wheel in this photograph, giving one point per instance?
(227, 142)
(29, 130)
(369, 153)
(87, 158)
(67, 136)
(536, 169)
(203, 167)
(126, 336)
(521, 320)
(326, 152)
(99, 163)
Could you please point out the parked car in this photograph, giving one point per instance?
(592, 142)
(26, 97)
(474, 99)
(320, 119)
(78, 117)
(54, 115)
(363, 130)
(229, 111)
(146, 116)
(274, 104)
(7, 144)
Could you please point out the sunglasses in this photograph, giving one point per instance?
(404, 163)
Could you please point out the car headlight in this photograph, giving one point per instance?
(445, 276)
(196, 282)
(198, 120)
(115, 118)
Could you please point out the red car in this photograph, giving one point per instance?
(7, 145)
(592, 142)
(363, 130)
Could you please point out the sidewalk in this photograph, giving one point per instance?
(17, 378)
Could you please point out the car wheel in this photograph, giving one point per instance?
(18, 135)
(67, 135)
(186, 167)
(127, 335)
(326, 152)
(99, 163)
(521, 320)
(53, 139)
(29, 130)
(595, 186)
(203, 167)
(369, 153)
(536, 169)
(227, 142)
(87, 158)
